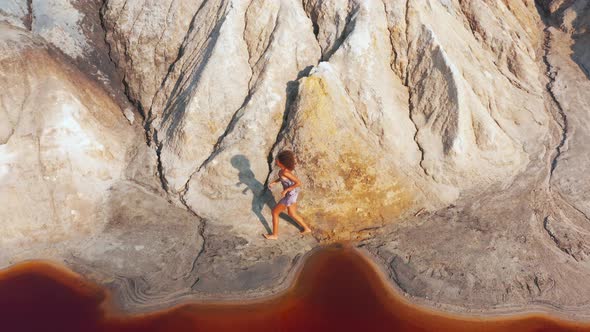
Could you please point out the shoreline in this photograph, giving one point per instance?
(112, 309)
(509, 312)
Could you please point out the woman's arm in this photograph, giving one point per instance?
(277, 180)
(273, 182)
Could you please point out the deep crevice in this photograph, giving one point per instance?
(349, 25)
(28, 19)
(178, 56)
(558, 114)
(201, 230)
(292, 91)
(179, 97)
(270, 40)
(393, 55)
(151, 139)
(127, 91)
(549, 232)
(410, 111)
(160, 167)
(556, 240)
(563, 124)
(244, 37)
(406, 83)
(217, 148)
(124, 82)
(315, 26)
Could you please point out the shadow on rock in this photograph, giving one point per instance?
(261, 196)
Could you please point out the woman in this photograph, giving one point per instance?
(291, 187)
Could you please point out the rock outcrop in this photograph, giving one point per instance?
(432, 108)
(74, 28)
(528, 241)
(420, 127)
(68, 169)
(63, 144)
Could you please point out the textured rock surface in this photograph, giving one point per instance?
(355, 188)
(66, 182)
(73, 27)
(526, 243)
(448, 137)
(63, 144)
(16, 13)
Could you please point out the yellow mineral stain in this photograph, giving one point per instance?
(346, 188)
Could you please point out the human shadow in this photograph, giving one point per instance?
(261, 195)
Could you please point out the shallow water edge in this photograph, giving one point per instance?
(325, 283)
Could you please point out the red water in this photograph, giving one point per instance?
(337, 290)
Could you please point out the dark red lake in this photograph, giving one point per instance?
(337, 290)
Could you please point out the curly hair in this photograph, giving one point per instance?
(287, 158)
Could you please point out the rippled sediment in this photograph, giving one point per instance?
(336, 288)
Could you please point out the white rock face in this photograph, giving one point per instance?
(465, 127)
(145, 38)
(62, 145)
(58, 22)
(362, 59)
(434, 108)
(74, 28)
(531, 230)
(15, 12)
(241, 155)
(203, 91)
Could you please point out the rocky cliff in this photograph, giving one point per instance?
(445, 138)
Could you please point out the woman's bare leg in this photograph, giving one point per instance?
(292, 211)
(275, 221)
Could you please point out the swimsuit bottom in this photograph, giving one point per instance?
(290, 198)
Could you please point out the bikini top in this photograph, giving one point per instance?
(286, 182)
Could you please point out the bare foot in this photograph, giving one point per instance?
(306, 231)
(270, 236)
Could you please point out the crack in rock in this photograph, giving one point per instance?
(406, 83)
(563, 124)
